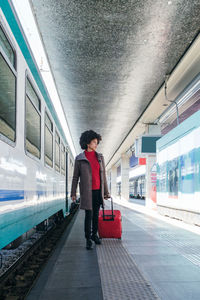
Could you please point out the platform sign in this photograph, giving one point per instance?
(153, 174)
(146, 145)
(142, 161)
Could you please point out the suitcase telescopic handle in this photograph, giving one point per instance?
(112, 216)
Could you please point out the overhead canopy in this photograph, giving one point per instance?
(109, 58)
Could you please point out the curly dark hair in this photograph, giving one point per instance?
(87, 136)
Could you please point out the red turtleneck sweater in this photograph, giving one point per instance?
(91, 156)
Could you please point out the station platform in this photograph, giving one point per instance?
(153, 260)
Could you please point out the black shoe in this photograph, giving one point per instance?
(89, 244)
(96, 239)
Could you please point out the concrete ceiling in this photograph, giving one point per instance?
(109, 58)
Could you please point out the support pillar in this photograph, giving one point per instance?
(150, 162)
(125, 177)
(113, 181)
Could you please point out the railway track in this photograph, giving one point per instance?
(18, 279)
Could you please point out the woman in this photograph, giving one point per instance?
(90, 167)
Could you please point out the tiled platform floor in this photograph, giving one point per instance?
(164, 254)
(167, 257)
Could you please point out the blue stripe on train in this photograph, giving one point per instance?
(7, 195)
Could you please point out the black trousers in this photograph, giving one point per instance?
(91, 216)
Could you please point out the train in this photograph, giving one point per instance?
(35, 159)
(137, 187)
(178, 171)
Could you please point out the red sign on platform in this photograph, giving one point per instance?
(142, 161)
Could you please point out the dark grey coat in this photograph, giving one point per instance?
(83, 170)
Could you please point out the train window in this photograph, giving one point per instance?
(57, 152)
(62, 159)
(32, 95)
(7, 49)
(7, 101)
(48, 122)
(48, 141)
(7, 88)
(33, 122)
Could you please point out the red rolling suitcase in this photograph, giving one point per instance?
(110, 223)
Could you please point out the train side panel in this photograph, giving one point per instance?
(30, 191)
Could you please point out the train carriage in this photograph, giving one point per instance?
(33, 149)
(178, 176)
